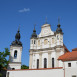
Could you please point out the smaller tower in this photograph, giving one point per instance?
(15, 53)
(59, 42)
(33, 41)
(59, 35)
(33, 45)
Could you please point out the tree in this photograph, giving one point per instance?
(3, 61)
(24, 67)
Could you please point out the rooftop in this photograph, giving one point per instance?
(69, 56)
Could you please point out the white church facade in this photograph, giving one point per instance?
(49, 57)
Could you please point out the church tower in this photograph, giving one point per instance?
(15, 53)
(46, 47)
(33, 45)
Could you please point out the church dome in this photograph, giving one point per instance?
(34, 35)
(17, 39)
(58, 30)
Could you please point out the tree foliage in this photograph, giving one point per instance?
(24, 67)
(3, 61)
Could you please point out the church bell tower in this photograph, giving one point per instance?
(15, 53)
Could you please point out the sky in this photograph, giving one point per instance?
(30, 12)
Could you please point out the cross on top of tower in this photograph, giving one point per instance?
(58, 20)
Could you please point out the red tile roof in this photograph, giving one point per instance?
(66, 50)
(69, 56)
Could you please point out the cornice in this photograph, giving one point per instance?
(46, 48)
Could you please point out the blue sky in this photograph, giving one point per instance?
(30, 12)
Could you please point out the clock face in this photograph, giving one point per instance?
(46, 31)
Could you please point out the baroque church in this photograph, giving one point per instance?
(49, 57)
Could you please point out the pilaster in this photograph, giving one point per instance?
(40, 60)
(49, 60)
(30, 60)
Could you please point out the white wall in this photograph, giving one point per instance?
(69, 72)
(37, 73)
(16, 66)
(73, 64)
(60, 63)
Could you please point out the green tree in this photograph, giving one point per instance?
(24, 67)
(3, 61)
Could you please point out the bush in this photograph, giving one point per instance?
(0, 75)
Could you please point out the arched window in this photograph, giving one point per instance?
(38, 42)
(45, 63)
(15, 54)
(53, 40)
(34, 42)
(37, 63)
(45, 41)
(57, 37)
(13, 68)
(52, 62)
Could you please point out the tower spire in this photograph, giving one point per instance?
(34, 26)
(58, 30)
(19, 28)
(58, 20)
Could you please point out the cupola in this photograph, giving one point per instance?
(34, 35)
(17, 41)
(59, 30)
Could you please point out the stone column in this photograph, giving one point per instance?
(40, 60)
(49, 60)
(30, 60)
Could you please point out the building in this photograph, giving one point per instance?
(48, 55)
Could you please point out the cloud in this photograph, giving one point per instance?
(24, 10)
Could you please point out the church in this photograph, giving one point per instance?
(49, 57)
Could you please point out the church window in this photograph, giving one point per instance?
(15, 54)
(34, 42)
(45, 41)
(45, 63)
(52, 62)
(37, 63)
(38, 42)
(69, 64)
(53, 40)
(57, 37)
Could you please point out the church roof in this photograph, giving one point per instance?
(69, 56)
